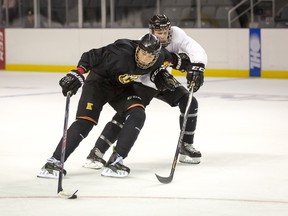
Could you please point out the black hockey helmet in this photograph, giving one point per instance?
(161, 22)
(148, 44)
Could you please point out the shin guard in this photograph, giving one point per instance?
(191, 121)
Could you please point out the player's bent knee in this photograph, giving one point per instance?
(183, 103)
(83, 126)
(136, 114)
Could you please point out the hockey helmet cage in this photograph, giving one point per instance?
(151, 44)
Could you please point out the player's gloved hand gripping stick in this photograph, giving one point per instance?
(163, 79)
(195, 74)
(195, 71)
(72, 81)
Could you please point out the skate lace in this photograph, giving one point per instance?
(189, 147)
(54, 161)
(98, 153)
(119, 160)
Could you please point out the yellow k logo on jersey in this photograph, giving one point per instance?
(89, 106)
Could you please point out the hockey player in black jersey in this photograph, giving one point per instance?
(175, 40)
(113, 69)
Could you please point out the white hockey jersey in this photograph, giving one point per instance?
(180, 43)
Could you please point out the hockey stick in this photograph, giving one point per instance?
(60, 190)
(166, 180)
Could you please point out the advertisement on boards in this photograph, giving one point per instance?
(255, 52)
(2, 49)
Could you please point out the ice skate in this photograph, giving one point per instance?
(115, 167)
(51, 169)
(94, 160)
(188, 154)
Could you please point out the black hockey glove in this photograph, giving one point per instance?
(195, 75)
(163, 80)
(71, 82)
(181, 61)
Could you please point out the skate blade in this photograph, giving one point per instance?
(47, 175)
(107, 172)
(189, 160)
(93, 164)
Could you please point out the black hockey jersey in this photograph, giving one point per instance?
(116, 62)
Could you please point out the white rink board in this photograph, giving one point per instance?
(226, 48)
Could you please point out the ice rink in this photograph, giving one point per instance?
(242, 133)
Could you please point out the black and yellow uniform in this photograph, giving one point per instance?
(113, 69)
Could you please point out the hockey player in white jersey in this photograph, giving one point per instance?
(174, 40)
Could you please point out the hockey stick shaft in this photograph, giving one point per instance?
(169, 179)
(64, 141)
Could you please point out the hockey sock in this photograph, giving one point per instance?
(110, 133)
(191, 121)
(134, 122)
(75, 134)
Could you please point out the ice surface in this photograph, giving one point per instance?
(241, 132)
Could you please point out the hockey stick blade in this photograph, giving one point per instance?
(66, 195)
(164, 180)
